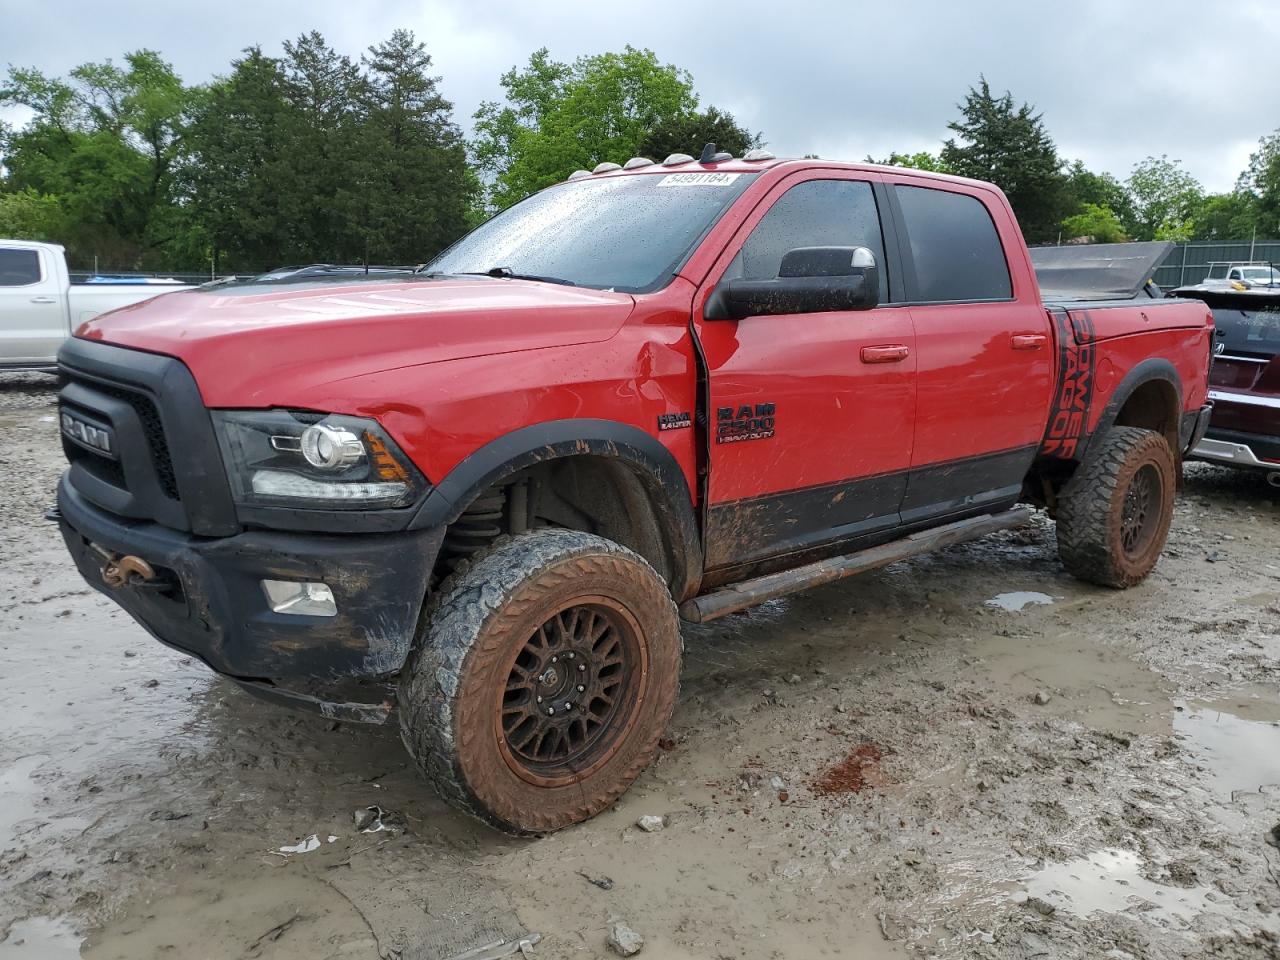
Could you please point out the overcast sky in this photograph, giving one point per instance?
(1115, 80)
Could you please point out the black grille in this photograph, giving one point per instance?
(154, 430)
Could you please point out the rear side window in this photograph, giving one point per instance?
(955, 247)
(19, 268)
(816, 213)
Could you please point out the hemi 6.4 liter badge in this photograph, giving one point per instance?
(744, 422)
(674, 421)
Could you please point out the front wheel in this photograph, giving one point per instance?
(1114, 514)
(546, 676)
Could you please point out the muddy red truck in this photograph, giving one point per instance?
(480, 498)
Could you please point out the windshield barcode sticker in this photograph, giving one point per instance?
(698, 179)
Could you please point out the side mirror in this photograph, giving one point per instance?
(810, 280)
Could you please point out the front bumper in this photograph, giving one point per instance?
(207, 600)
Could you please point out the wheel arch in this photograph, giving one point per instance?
(1149, 396)
(614, 446)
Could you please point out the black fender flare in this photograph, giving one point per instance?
(1144, 372)
(558, 439)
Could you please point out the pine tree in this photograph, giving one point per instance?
(238, 180)
(1009, 146)
(688, 133)
(414, 188)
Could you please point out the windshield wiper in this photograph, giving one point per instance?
(506, 273)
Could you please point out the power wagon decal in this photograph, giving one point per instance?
(1069, 416)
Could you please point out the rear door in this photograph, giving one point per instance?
(32, 307)
(984, 373)
(811, 415)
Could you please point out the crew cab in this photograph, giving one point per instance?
(481, 497)
(40, 306)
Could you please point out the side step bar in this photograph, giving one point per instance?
(748, 593)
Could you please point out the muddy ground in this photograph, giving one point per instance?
(887, 767)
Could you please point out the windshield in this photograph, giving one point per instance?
(1260, 273)
(624, 233)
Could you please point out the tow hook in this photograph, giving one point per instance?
(118, 570)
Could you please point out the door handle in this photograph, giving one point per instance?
(890, 353)
(44, 299)
(1028, 341)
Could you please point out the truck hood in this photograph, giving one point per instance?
(255, 345)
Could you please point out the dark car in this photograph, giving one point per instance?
(1245, 428)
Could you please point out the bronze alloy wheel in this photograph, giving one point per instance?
(572, 691)
(545, 674)
(1114, 514)
(1143, 507)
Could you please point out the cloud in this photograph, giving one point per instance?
(1115, 81)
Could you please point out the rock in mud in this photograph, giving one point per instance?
(375, 820)
(624, 941)
(603, 882)
(1041, 697)
(651, 824)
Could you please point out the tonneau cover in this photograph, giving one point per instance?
(1097, 271)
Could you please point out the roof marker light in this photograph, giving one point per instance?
(606, 167)
(636, 162)
(677, 158)
(758, 154)
(579, 174)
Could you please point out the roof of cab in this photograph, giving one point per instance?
(739, 165)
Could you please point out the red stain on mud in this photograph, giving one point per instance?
(855, 773)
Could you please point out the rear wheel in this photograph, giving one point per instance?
(1114, 515)
(546, 676)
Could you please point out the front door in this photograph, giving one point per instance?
(811, 415)
(32, 308)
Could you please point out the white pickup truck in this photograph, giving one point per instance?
(40, 306)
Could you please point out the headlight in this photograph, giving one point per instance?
(284, 458)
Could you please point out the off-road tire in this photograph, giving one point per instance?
(1092, 528)
(451, 704)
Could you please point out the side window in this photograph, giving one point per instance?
(954, 245)
(816, 213)
(1233, 275)
(19, 268)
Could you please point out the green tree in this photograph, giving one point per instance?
(1009, 146)
(27, 215)
(1261, 181)
(239, 179)
(689, 133)
(1096, 221)
(1226, 216)
(416, 189)
(324, 90)
(921, 160)
(560, 117)
(1165, 200)
(105, 142)
(1100, 189)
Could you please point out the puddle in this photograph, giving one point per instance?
(1015, 602)
(20, 791)
(1237, 754)
(41, 938)
(68, 664)
(1109, 881)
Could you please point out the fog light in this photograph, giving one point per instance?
(300, 599)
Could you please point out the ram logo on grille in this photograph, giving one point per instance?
(88, 434)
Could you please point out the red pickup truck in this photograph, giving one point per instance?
(487, 492)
